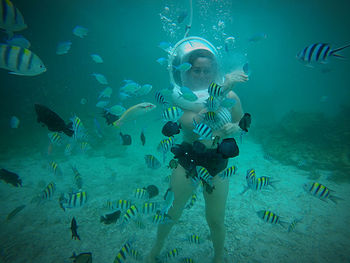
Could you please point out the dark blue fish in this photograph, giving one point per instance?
(171, 128)
(245, 122)
(10, 177)
(228, 148)
(74, 227)
(143, 138)
(52, 120)
(126, 138)
(318, 53)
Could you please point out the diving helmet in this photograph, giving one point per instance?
(180, 54)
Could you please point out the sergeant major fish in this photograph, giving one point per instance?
(320, 191)
(11, 19)
(20, 61)
(271, 218)
(318, 53)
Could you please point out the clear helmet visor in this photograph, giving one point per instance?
(183, 52)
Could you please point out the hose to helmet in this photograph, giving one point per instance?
(188, 26)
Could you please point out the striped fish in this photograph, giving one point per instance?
(272, 218)
(210, 117)
(11, 19)
(160, 218)
(293, 224)
(203, 130)
(192, 201)
(55, 168)
(149, 207)
(223, 116)
(68, 149)
(320, 191)
(171, 254)
(204, 175)
(77, 199)
(160, 98)
(135, 254)
(131, 213)
(318, 53)
(250, 177)
(187, 260)
(152, 162)
(141, 193)
(20, 61)
(194, 239)
(165, 145)
(172, 114)
(46, 194)
(77, 177)
(119, 204)
(55, 138)
(262, 182)
(85, 146)
(123, 253)
(78, 128)
(212, 103)
(215, 90)
(228, 172)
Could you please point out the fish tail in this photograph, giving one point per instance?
(245, 190)
(284, 224)
(335, 199)
(338, 49)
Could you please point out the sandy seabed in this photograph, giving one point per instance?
(41, 233)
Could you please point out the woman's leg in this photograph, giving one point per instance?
(215, 204)
(182, 188)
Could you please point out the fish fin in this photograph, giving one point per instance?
(335, 199)
(338, 49)
(16, 73)
(284, 224)
(338, 56)
(245, 190)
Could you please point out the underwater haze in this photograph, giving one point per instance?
(104, 58)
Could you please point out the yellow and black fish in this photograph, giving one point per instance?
(192, 201)
(119, 204)
(271, 218)
(77, 199)
(215, 90)
(320, 191)
(55, 168)
(152, 162)
(131, 213)
(149, 207)
(77, 177)
(123, 253)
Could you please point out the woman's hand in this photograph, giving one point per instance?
(234, 77)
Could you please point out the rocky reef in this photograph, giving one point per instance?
(311, 141)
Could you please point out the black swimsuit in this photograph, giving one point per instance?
(196, 154)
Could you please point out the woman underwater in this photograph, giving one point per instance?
(192, 152)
